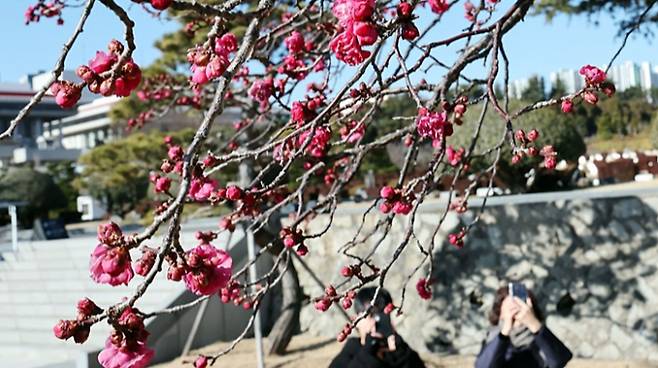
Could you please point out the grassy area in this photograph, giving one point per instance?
(635, 142)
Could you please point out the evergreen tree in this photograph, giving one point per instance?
(535, 91)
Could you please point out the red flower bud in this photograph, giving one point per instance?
(567, 106)
(233, 193)
(227, 224)
(81, 334)
(302, 250)
(608, 88)
(410, 32)
(520, 135)
(85, 73)
(347, 303)
(161, 4)
(330, 291)
(87, 308)
(201, 362)
(65, 329)
(346, 271)
(387, 192)
(533, 135)
(590, 97)
(323, 304)
(404, 9)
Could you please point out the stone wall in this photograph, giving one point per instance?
(591, 262)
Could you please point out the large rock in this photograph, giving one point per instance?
(602, 253)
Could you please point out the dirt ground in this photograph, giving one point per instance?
(314, 352)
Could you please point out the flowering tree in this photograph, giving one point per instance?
(308, 78)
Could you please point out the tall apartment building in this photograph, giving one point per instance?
(570, 79)
(630, 74)
(518, 87)
(626, 75)
(647, 77)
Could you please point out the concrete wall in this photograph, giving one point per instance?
(594, 248)
(219, 322)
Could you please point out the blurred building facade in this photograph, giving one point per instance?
(13, 97)
(629, 74)
(570, 79)
(50, 133)
(27, 143)
(519, 86)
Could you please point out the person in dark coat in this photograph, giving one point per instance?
(373, 349)
(519, 338)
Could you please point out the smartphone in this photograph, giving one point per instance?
(383, 324)
(517, 289)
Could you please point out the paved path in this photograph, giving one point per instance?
(316, 352)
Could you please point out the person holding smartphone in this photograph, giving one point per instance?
(518, 337)
(378, 345)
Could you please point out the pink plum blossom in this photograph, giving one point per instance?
(136, 355)
(295, 42)
(209, 269)
(102, 62)
(111, 265)
(201, 188)
(593, 75)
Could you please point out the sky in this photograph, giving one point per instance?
(533, 47)
(34, 47)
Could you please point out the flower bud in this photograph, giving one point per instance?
(115, 47)
(85, 73)
(87, 308)
(404, 9)
(65, 329)
(81, 334)
(590, 97)
(410, 32)
(533, 135)
(201, 362)
(301, 250)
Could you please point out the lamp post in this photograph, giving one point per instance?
(14, 227)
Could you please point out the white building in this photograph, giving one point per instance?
(90, 208)
(21, 147)
(84, 130)
(92, 125)
(516, 87)
(571, 80)
(648, 78)
(519, 86)
(630, 74)
(625, 75)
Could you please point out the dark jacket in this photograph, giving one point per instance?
(546, 350)
(355, 355)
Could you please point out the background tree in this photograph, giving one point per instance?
(654, 131)
(24, 184)
(535, 91)
(558, 89)
(562, 131)
(64, 176)
(309, 79)
(117, 173)
(633, 11)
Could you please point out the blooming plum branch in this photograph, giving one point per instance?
(309, 80)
